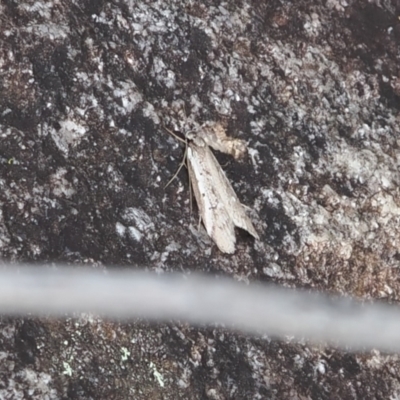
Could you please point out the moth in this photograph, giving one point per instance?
(219, 207)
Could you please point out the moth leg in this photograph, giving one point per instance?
(199, 225)
(190, 195)
(191, 191)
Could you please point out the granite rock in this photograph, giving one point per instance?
(85, 90)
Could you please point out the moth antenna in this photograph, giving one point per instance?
(175, 135)
(182, 164)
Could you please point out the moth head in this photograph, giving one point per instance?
(196, 139)
(190, 135)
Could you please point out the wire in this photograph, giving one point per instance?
(256, 309)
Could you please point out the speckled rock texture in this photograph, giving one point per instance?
(85, 89)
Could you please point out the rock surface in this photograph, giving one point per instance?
(85, 89)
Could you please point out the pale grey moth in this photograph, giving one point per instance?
(219, 206)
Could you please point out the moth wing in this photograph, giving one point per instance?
(236, 209)
(203, 173)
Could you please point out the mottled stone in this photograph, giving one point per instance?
(85, 89)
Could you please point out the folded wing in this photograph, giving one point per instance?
(219, 207)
